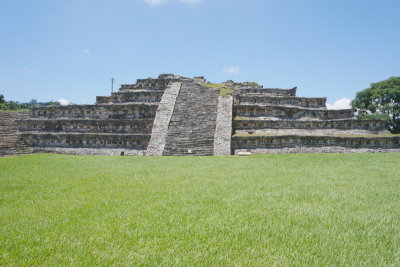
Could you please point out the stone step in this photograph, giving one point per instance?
(137, 96)
(86, 140)
(88, 125)
(114, 111)
(193, 122)
(268, 91)
(307, 102)
(320, 132)
(293, 143)
(92, 151)
(342, 124)
(290, 113)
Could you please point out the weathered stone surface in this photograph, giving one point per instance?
(140, 96)
(280, 122)
(256, 90)
(126, 126)
(307, 102)
(162, 120)
(92, 151)
(310, 132)
(223, 131)
(121, 111)
(281, 141)
(341, 124)
(10, 142)
(193, 123)
(175, 115)
(86, 140)
(322, 149)
(281, 112)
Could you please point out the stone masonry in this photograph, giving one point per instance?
(162, 120)
(175, 115)
(193, 122)
(275, 121)
(223, 131)
(10, 141)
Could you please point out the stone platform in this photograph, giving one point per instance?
(175, 115)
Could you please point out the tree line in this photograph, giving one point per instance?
(15, 105)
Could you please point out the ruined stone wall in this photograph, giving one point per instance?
(346, 124)
(267, 91)
(277, 121)
(10, 142)
(88, 125)
(282, 112)
(174, 115)
(308, 102)
(42, 140)
(131, 96)
(259, 142)
(161, 83)
(123, 111)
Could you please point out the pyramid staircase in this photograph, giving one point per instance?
(174, 115)
(118, 124)
(193, 123)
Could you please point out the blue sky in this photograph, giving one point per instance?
(69, 49)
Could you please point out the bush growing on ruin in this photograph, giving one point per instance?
(381, 100)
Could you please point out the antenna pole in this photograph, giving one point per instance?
(112, 84)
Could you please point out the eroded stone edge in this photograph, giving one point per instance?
(162, 119)
(223, 130)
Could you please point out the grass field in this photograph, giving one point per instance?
(283, 210)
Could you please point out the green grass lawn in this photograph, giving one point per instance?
(284, 210)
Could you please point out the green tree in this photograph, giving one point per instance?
(381, 99)
(2, 99)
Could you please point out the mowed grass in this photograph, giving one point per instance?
(283, 210)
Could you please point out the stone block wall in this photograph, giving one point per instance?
(122, 111)
(260, 142)
(345, 124)
(282, 112)
(88, 125)
(131, 96)
(274, 121)
(192, 126)
(123, 121)
(268, 91)
(307, 102)
(180, 116)
(85, 140)
(10, 141)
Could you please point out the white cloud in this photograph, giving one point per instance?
(63, 102)
(343, 103)
(231, 70)
(156, 2)
(84, 51)
(191, 1)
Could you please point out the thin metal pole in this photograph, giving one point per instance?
(112, 84)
